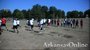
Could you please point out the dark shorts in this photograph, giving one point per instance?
(0, 28)
(14, 27)
(18, 25)
(31, 26)
(3, 24)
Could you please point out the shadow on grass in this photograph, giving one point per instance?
(68, 36)
(11, 31)
(50, 48)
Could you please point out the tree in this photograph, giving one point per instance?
(52, 11)
(18, 14)
(25, 14)
(73, 14)
(5, 12)
(87, 12)
(58, 14)
(44, 10)
(36, 11)
(69, 14)
(80, 15)
(63, 14)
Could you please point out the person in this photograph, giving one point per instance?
(44, 20)
(58, 22)
(81, 23)
(15, 27)
(31, 23)
(28, 22)
(18, 23)
(41, 24)
(0, 27)
(73, 21)
(49, 22)
(77, 23)
(3, 24)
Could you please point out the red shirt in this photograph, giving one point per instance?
(3, 20)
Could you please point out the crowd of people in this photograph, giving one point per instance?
(73, 23)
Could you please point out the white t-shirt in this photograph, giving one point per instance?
(44, 20)
(49, 20)
(41, 22)
(31, 22)
(18, 22)
(0, 22)
(15, 22)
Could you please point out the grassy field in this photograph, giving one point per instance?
(32, 40)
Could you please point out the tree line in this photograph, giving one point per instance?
(39, 11)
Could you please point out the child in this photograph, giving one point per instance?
(0, 27)
(41, 24)
(81, 23)
(18, 23)
(76, 23)
(49, 21)
(31, 23)
(15, 27)
(58, 22)
(3, 24)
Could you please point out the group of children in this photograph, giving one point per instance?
(30, 23)
(16, 24)
(41, 23)
(72, 23)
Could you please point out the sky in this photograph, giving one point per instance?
(66, 5)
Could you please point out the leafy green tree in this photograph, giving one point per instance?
(87, 13)
(58, 14)
(25, 14)
(6, 13)
(69, 14)
(44, 10)
(73, 14)
(36, 11)
(18, 14)
(80, 15)
(52, 11)
(63, 14)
